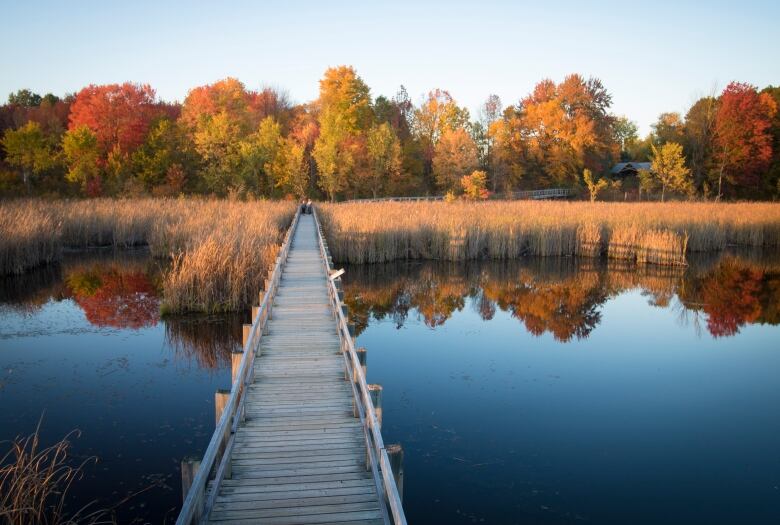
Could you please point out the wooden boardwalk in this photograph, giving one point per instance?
(297, 453)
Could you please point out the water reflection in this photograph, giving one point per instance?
(82, 342)
(564, 297)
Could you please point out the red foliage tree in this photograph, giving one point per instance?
(119, 114)
(743, 142)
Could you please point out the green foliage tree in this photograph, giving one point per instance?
(218, 141)
(28, 149)
(82, 152)
(669, 169)
(290, 169)
(167, 145)
(25, 98)
(626, 134)
(259, 154)
(384, 153)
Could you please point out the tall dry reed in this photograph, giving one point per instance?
(219, 249)
(657, 233)
(35, 483)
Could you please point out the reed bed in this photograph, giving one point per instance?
(646, 233)
(219, 249)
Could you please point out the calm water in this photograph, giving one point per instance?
(541, 391)
(555, 392)
(82, 347)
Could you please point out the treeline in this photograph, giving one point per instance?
(225, 139)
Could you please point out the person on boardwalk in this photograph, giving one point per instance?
(307, 207)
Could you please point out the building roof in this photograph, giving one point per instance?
(631, 166)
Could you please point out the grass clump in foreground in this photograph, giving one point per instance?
(35, 484)
(656, 233)
(219, 250)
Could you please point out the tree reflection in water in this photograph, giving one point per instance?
(119, 290)
(115, 297)
(564, 296)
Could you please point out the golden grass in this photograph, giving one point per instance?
(219, 249)
(35, 483)
(657, 233)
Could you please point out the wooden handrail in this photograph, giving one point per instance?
(196, 507)
(378, 459)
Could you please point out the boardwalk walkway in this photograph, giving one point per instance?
(300, 456)
(291, 445)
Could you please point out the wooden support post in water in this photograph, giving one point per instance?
(189, 468)
(220, 402)
(395, 453)
(245, 336)
(235, 364)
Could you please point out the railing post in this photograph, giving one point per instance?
(189, 468)
(395, 453)
(375, 391)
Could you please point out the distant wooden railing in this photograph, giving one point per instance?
(552, 193)
(216, 461)
(379, 461)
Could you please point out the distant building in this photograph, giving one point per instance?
(628, 169)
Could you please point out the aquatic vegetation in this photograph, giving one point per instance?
(35, 483)
(655, 233)
(219, 249)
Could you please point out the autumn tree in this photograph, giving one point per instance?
(557, 131)
(771, 180)
(743, 142)
(118, 114)
(669, 169)
(28, 149)
(475, 185)
(454, 157)
(82, 153)
(438, 114)
(345, 116)
(594, 186)
(699, 133)
(668, 128)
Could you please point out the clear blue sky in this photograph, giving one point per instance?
(652, 56)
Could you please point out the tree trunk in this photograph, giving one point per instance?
(663, 191)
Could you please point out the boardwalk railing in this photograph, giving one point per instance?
(552, 193)
(216, 462)
(379, 461)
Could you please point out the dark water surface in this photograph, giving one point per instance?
(554, 391)
(82, 346)
(542, 391)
